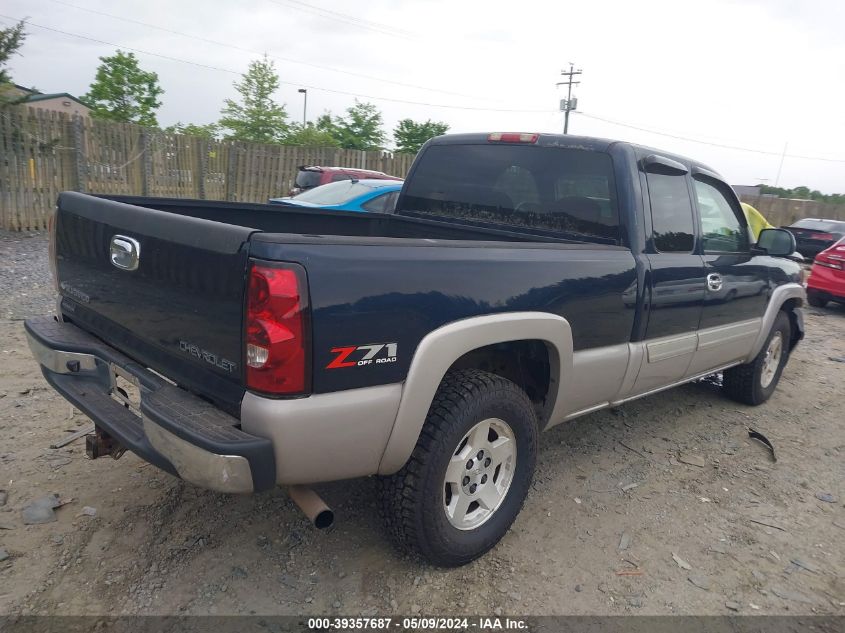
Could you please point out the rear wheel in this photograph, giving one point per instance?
(816, 299)
(755, 382)
(469, 473)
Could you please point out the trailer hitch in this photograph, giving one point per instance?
(101, 444)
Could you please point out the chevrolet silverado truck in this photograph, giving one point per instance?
(524, 280)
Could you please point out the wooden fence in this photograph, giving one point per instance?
(43, 153)
(785, 211)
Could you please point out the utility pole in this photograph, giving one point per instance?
(568, 104)
(304, 94)
(780, 166)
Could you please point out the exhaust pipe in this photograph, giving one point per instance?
(312, 506)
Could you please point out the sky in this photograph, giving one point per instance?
(707, 80)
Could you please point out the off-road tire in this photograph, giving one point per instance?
(816, 299)
(743, 383)
(412, 499)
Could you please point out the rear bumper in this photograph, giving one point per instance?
(174, 429)
(827, 281)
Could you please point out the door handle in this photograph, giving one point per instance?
(714, 281)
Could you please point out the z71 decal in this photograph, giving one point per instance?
(363, 355)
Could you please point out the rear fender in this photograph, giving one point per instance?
(780, 296)
(442, 347)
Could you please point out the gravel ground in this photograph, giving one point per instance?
(663, 506)
(24, 276)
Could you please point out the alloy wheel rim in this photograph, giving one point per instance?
(479, 474)
(771, 360)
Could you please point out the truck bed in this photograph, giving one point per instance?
(278, 218)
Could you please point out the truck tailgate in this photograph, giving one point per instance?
(164, 289)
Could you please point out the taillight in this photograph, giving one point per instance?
(826, 260)
(823, 236)
(512, 137)
(277, 354)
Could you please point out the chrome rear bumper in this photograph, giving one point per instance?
(170, 427)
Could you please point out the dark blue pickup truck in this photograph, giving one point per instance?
(524, 280)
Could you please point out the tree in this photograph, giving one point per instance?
(310, 135)
(803, 193)
(123, 92)
(409, 135)
(257, 118)
(359, 129)
(11, 39)
(208, 131)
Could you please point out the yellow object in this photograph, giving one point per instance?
(756, 220)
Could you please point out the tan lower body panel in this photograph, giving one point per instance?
(611, 375)
(325, 437)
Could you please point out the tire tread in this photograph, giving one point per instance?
(400, 494)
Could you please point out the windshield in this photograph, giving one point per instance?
(553, 189)
(334, 193)
(820, 225)
(308, 179)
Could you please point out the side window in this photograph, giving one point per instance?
(390, 202)
(376, 205)
(671, 213)
(721, 229)
(341, 176)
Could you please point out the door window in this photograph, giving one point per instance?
(721, 229)
(671, 213)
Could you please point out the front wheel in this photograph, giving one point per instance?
(755, 382)
(468, 476)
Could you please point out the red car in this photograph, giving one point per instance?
(827, 276)
(314, 176)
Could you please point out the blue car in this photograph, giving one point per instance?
(375, 196)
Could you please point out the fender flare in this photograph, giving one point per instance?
(780, 295)
(442, 347)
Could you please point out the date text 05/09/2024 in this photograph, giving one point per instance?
(418, 623)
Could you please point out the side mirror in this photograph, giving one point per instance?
(776, 242)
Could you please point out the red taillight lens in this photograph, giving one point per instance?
(512, 137)
(823, 236)
(277, 355)
(827, 260)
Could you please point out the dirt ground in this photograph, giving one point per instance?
(614, 518)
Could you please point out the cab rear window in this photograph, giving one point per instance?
(565, 191)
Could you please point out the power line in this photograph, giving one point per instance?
(711, 143)
(253, 52)
(288, 83)
(407, 101)
(345, 18)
